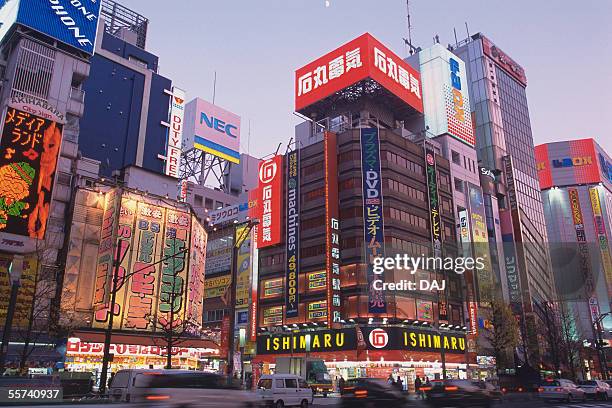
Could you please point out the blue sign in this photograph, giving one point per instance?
(606, 167)
(373, 223)
(455, 78)
(73, 22)
(219, 125)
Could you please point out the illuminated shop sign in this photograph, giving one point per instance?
(602, 236)
(270, 201)
(377, 338)
(292, 241)
(362, 58)
(373, 218)
(332, 229)
(175, 132)
(316, 280)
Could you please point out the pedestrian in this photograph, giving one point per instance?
(341, 384)
(390, 380)
(400, 384)
(417, 387)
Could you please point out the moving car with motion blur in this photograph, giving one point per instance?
(367, 392)
(280, 390)
(596, 389)
(561, 390)
(183, 388)
(458, 393)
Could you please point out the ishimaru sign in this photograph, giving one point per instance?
(376, 338)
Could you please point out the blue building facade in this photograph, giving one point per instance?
(126, 102)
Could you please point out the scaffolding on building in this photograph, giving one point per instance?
(118, 19)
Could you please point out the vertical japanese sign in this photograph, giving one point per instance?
(435, 221)
(480, 240)
(270, 199)
(602, 236)
(583, 249)
(511, 263)
(196, 281)
(243, 270)
(466, 251)
(332, 230)
(143, 285)
(106, 253)
(121, 255)
(254, 310)
(172, 291)
(29, 150)
(373, 222)
(292, 241)
(175, 132)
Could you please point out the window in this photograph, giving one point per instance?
(280, 383)
(208, 203)
(313, 251)
(458, 185)
(265, 384)
(403, 162)
(291, 383)
(407, 217)
(121, 379)
(313, 168)
(455, 157)
(347, 184)
(314, 194)
(406, 189)
(218, 205)
(198, 200)
(303, 384)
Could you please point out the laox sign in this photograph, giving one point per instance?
(572, 162)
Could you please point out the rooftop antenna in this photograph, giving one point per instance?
(467, 30)
(214, 87)
(411, 48)
(456, 42)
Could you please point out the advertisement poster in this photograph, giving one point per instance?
(173, 288)
(480, 241)
(106, 249)
(373, 219)
(197, 264)
(175, 133)
(243, 283)
(25, 293)
(292, 241)
(332, 230)
(602, 236)
(141, 301)
(29, 150)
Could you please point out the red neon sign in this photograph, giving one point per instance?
(270, 199)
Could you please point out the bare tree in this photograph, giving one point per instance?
(570, 343)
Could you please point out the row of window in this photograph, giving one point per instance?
(408, 218)
(214, 315)
(405, 163)
(406, 189)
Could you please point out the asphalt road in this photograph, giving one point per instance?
(535, 403)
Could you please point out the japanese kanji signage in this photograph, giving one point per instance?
(332, 230)
(29, 150)
(270, 200)
(362, 58)
(175, 132)
(434, 204)
(602, 235)
(160, 252)
(373, 222)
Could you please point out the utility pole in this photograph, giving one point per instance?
(15, 270)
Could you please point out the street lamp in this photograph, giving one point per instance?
(15, 270)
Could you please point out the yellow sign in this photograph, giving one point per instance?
(215, 287)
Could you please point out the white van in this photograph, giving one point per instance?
(280, 390)
(179, 388)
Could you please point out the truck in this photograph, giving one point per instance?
(313, 370)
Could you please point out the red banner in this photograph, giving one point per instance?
(270, 201)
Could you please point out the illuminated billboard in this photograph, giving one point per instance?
(270, 201)
(359, 59)
(25, 293)
(446, 102)
(29, 150)
(571, 162)
(213, 129)
(503, 60)
(175, 133)
(159, 250)
(73, 22)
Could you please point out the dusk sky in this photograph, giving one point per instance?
(255, 47)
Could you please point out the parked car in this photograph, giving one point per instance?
(458, 393)
(182, 388)
(562, 390)
(361, 392)
(596, 389)
(279, 390)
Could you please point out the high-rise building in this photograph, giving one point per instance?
(504, 143)
(126, 99)
(576, 181)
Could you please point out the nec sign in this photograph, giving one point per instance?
(218, 125)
